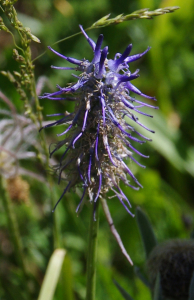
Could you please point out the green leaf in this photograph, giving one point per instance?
(125, 295)
(146, 231)
(141, 276)
(52, 275)
(157, 289)
(191, 288)
(165, 141)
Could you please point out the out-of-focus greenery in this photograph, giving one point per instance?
(167, 72)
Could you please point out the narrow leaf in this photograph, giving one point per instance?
(125, 295)
(52, 275)
(146, 231)
(141, 276)
(157, 289)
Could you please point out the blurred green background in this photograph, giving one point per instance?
(166, 72)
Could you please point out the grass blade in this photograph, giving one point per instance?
(52, 275)
(125, 295)
(157, 289)
(146, 231)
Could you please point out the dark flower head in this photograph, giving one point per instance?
(174, 260)
(97, 138)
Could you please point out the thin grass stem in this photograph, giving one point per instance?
(92, 254)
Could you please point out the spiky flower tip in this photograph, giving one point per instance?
(98, 138)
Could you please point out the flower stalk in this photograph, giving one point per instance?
(138, 14)
(92, 253)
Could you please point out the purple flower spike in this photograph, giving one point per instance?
(90, 41)
(62, 68)
(101, 71)
(76, 139)
(136, 56)
(96, 145)
(70, 59)
(126, 79)
(103, 109)
(64, 132)
(65, 190)
(89, 169)
(133, 89)
(126, 208)
(99, 187)
(98, 140)
(97, 49)
(82, 198)
(114, 64)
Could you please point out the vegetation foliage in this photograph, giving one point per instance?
(29, 232)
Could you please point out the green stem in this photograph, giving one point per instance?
(62, 40)
(14, 231)
(92, 255)
(56, 224)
